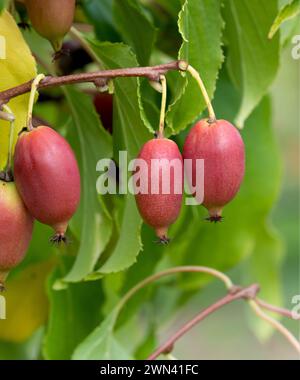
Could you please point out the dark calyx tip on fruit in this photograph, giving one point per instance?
(214, 218)
(24, 25)
(163, 240)
(58, 54)
(162, 234)
(6, 176)
(59, 238)
(3, 276)
(215, 215)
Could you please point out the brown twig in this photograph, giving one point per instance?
(275, 324)
(176, 270)
(235, 293)
(153, 73)
(276, 309)
(245, 293)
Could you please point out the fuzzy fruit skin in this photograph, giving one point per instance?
(52, 19)
(160, 210)
(47, 177)
(16, 226)
(222, 148)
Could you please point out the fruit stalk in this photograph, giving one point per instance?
(8, 170)
(34, 87)
(197, 77)
(163, 107)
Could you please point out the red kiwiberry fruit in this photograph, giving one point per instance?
(47, 177)
(15, 229)
(221, 147)
(103, 102)
(159, 210)
(52, 19)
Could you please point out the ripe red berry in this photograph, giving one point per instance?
(221, 147)
(15, 229)
(103, 103)
(160, 210)
(52, 19)
(47, 177)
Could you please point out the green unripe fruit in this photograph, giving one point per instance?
(52, 19)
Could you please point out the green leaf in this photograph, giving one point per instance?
(252, 58)
(29, 350)
(200, 25)
(148, 345)
(39, 248)
(73, 314)
(135, 27)
(267, 253)
(18, 67)
(92, 223)
(129, 134)
(268, 248)
(145, 266)
(101, 344)
(100, 14)
(289, 11)
(129, 242)
(288, 30)
(3, 4)
(149, 102)
(173, 7)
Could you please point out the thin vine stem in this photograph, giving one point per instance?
(163, 106)
(229, 298)
(194, 73)
(234, 293)
(249, 294)
(275, 324)
(275, 309)
(34, 87)
(184, 269)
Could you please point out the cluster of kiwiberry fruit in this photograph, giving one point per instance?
(47, 178)
(219, 144)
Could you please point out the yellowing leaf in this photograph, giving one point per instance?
(26, 303)
(17, 67)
